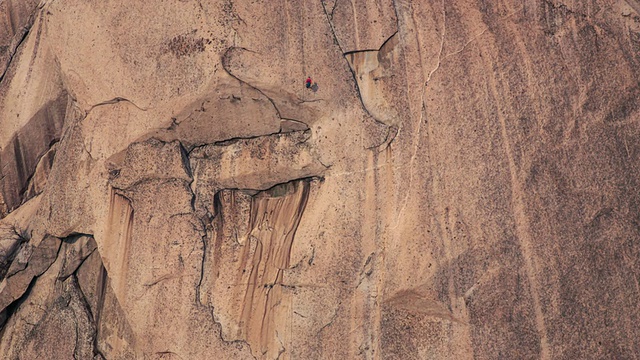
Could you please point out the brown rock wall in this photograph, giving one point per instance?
(460, 181)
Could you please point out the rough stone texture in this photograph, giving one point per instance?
(460, 183)
(17, 18)
(244, 265)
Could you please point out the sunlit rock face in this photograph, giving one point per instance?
(460, 182)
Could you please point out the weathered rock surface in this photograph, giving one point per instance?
(460, 183)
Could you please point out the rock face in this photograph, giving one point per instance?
(460, 183)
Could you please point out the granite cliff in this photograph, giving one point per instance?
(460, 183)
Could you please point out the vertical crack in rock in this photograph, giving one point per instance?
(85, 328)
(254, 230)
(98, 287)
(526, 242)
(444, 34)
(186, 164)
(113, 338)
(404, 10)
(205, 248)
(102, 287)
(522, 227)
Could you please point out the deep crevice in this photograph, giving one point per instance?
(82, 294)
(26, 30)
(186, 164)
(10, 310)
(97, 317)
(202, 263)
(272, 188)
(234, 140)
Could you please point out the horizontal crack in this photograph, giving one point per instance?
(115, 100)
(233, 140)
(378, 49)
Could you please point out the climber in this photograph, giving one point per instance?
(307, 83)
